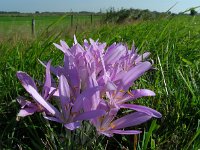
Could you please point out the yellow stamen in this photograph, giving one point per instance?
(112, 126)
(122, 91)
(102, 129)
(130, 93)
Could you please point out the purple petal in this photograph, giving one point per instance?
(77, 49)
(108, 118)
(26, 80)
(26, 112)
(136, 94)
(89, 115)
(72, 126)
(110, 86)
(133, 49)
(106, 133)
(59, 47)
(65, 47)
(53, 119)
(83, 77)
(84, 95)
(103, 106)
(55, 70)
(64, 94)
(92, 102)
(119, 76)
(143, 109)
(38, 98)
(142, 57)
(113, 54)
(126, 131)
(129, 120)
(64, 90)
(86, 44)
(51, 93)
(135, 73)
(47, 84)
(23, 102)
(56, 93)
(71, 71)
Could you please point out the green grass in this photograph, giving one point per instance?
(22, 25)
(174, 43)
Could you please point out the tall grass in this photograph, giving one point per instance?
(174, 43)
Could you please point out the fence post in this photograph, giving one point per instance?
(91, 18)
(72, 19)
(33, 26)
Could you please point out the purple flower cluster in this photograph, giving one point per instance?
(93, 84)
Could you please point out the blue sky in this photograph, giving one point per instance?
(94, 5)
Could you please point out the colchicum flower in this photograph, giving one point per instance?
(93, 84)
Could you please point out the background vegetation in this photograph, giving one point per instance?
(174, 43)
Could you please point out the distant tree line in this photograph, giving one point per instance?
(111, 15)
(48, 13)
(129, 15)
(9, 12)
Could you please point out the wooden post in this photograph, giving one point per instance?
(33, 26)
(91, 18)
(72, 19)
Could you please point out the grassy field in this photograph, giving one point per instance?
(174, 43)
(21, 26)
